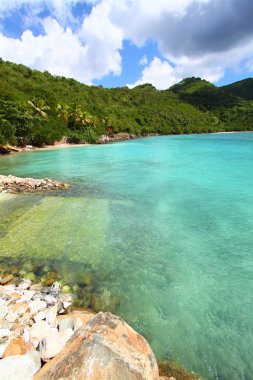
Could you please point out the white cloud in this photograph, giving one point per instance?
(61, 52)
(103, 39)
(159, 73)
(194, 37)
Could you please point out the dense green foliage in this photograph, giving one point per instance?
(243, 88)
(40, 108)
(232, 112)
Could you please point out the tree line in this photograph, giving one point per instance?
(39, 108)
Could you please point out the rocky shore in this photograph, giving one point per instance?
(42, 338)
(12, 184)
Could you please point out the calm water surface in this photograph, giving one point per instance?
(164, 227)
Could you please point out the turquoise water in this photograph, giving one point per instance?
(164, 227)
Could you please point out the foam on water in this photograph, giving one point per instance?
(163, 223)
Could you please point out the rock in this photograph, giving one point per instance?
(2, 301)
(11, 316)
(27, 296)
(52, 344)
(3, 311)
(40, 316)
(16, 346)
(78, 318)
(36, 287)
(104, 348)
(5, 279)
(20, 367)
(66, 304)
(67, 323)
(104, 300)
(4, 149)
(24, 284)
(14, 296)
(84, 278)
(37, 305)
(55, 288)
(30, 276)
(39, 331)
(3, 348)
(50, 300)
(66, 289)
(51, 315)
(4, 324)
(4, 332)
(16, 185)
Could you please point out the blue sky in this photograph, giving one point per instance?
(130, 42)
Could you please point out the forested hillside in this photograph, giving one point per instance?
(38, 108)
(243, 88)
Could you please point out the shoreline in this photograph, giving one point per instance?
(112, 141)
(42, 325)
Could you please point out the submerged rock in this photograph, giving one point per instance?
(5, 279)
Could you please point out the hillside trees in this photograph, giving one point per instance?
(41, 108)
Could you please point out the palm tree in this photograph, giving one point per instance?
(39, 107)
(75, 116)
(63, 112)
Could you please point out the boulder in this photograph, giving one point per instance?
(5, 279)
(106, 348)
(20, 367)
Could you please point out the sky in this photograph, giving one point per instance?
(130, 42)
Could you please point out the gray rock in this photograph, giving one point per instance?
(50, 300)
(20, 367)
(55, 288)
(66, 323)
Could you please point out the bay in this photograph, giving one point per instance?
(161, 227)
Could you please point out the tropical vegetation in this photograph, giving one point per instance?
(39, 108)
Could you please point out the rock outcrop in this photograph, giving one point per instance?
(105, 347)
(7, 149)
(12, 184)
(105, 139)
(37, 326)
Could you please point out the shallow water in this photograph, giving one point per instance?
(164, 227)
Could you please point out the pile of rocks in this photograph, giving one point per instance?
(38, 328)
(12, 184)
(34, 323)
(105, 139)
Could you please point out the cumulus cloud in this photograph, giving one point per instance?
(194, 37)
(163, 75)
(160, 73)
(62, 52)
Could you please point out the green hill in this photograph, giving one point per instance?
(243, 88)
(38, 108)
(233, 111)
